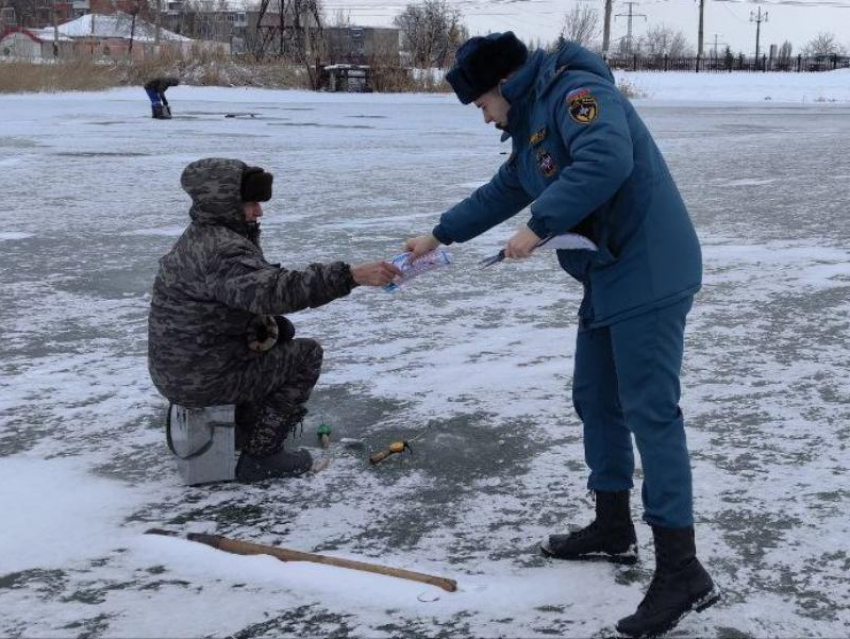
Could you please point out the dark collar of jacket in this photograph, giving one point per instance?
(248, 230)
(517, 90)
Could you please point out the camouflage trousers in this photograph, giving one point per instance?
(290, 371)
(269, 393)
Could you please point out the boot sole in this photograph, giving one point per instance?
(706, 601)
(629, 557)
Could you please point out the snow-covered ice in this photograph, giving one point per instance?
(828, 87)
(92, 199)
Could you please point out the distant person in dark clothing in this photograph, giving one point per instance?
(156, 89)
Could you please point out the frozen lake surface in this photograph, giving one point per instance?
(92, 199)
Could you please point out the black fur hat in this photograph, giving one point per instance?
(256, 185)
(483, 61)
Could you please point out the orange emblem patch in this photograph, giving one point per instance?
(582, 106)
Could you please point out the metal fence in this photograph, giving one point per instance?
(729, 63)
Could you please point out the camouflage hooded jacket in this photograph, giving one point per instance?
(215, 281)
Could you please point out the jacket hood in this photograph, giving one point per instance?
(541, 69)
(517, 86)
(214, 184)
(576, 58)
(539, 73)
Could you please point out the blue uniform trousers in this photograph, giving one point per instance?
(626, 382)
(154, 96)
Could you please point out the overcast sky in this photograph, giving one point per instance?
(796, 20)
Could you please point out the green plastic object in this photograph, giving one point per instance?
(324, 435)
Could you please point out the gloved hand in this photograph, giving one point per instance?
(262, 333)
(285, 328)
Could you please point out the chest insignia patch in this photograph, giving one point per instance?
(546, 163)
(582, 106)
(538, 137)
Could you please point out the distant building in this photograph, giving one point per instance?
(39, 14)
(33, 44)
(8, 18)
(206, 20)
(238, 28)
(235, 24)
(352, 78)
(275, 33)
(116, 35)
(362, 45)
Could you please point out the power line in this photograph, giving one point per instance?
(717, 44)
(630, 15)
(733, 14)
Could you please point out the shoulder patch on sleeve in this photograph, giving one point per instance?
(582, 105)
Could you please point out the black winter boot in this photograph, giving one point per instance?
(158, 113)
(264, 456)
(680, 585)
(609, 537)
(282, 464)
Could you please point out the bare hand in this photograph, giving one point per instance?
(375, 273)
(319, 465)
(521, 244)
(421, 244)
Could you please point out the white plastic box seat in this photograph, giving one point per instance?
(204, 442)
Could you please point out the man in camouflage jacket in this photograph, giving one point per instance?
(213, 335)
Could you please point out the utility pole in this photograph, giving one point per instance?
(630, 15)
(157, 25)
(717, 44)
(55, 29)
(282, 28)
(758, 18)
(132, 31)
(701, 22)
(606, 28)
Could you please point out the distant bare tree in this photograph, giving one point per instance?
(823, 44)
(581, 25)
(663, 40)
(433, 29)
(457, 35)
(340, 19)
(309, 49)
(784, 53)
(202, 19)
(728, 57)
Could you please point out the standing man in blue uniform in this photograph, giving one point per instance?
(585, 162)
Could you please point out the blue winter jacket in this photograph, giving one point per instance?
(586, 163)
